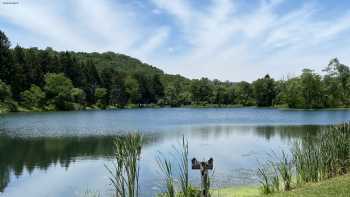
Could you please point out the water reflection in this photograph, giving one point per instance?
(19, 154)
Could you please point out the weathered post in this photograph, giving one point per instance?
(203, 167)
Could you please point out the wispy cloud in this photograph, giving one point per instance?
(226, 39)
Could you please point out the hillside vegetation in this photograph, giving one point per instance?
(34, 79)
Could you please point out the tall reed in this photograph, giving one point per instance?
(184, 168)
(325, 156)
(313, 159)
(166, 168)
(266, 180)
(182, 176)
(124, 175)
(284, 168)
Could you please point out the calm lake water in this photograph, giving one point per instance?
(64, 153)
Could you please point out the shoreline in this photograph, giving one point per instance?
(21, 109)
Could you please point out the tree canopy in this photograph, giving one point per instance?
(53, 80)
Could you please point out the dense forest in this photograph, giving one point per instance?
(36, 80)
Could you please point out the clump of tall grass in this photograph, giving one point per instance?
(284, 168)
(306, 159)
(265, 180)
(166, 168)
(326, 156)
(182, 178)
(275, 174)
(124, 175)
(313, 159)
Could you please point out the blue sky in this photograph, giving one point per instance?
(225, 39)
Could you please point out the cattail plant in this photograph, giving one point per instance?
(183, 168)
(166, 169)
(124, 175)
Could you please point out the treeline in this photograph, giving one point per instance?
(37, 79)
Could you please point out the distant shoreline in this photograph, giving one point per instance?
(3, 110)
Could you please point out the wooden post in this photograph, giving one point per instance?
(203, 167)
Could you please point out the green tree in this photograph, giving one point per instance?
(71, 68)
(106, 81)
(264, 91)
(147, 93)
(6, 67)
(158, 88)
(91, 80)
(337, 83)
(118, 95)
(19, 79)
(132, 89)
(58, 89)
(291, 94)
(223, 95)
(244, 93)
(101, 96)
(312, 89)
(34, 73)
(5, 91)
(202, 90)
(34, 97)
(78, 95)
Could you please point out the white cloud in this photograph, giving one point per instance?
(233, 46)
(216, 40)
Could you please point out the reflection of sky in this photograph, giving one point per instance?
(233, 151)
(157, 120)
(236, 148)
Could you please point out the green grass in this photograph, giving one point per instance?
(244, 191)
(339, 186)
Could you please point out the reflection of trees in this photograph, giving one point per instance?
(267, 132)
(287, 132)
(19, 153)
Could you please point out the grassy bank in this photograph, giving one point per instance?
(338, 186)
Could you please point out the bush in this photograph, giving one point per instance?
(34, 97)
(58, 89)
(5, 91)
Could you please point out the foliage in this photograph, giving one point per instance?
(313, 159)
(264, 91)
(78, 95)
(5, 91)
(244, 93)
(166, 168)
(101, 96)
(170, 179)
(34, 97)
(128, 81)
(124, 175)
(58, 90)
(132, 89)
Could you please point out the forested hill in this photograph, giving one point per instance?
(34, 79)
(119, 62)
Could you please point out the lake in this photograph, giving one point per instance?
(65, 153)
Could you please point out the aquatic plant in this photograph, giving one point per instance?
(166, 169)
(326, 156)
(284, 168)
(313, 159)
(124, 175)
(183, 168)
(265, 180)
(182, 176)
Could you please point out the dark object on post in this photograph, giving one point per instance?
(203, 167)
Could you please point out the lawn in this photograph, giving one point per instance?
(339, 186)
